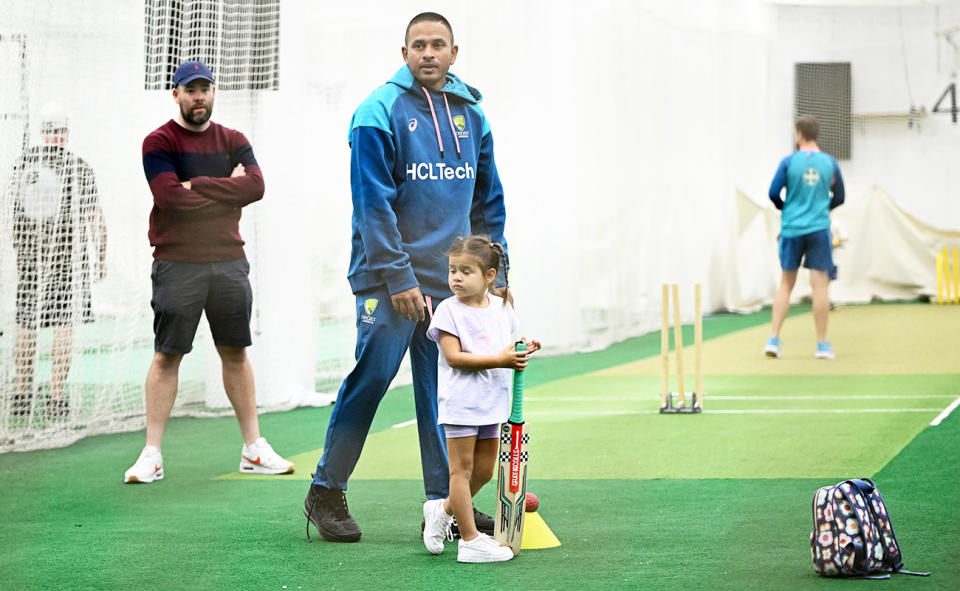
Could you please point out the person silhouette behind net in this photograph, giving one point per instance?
(56, 212)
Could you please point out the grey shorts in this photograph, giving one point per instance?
(50, 292)
(480, 432)
(182, 291)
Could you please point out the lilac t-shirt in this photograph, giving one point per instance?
(474, 397)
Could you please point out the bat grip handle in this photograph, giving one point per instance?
(516, 410)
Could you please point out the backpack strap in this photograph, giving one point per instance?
(867, 488)
(864, 561)
(865, 485)
(910, 572)
(884, 524)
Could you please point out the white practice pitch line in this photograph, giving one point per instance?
(946, 412)
(832, 397)
(744, 411)
(707, 396)
(777, 411)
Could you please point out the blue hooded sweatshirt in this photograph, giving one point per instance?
(422, 173)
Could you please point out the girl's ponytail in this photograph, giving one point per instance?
(502, 254)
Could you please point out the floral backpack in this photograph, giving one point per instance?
(852, 535)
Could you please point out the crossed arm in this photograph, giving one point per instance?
(201, 196)
(238, 170)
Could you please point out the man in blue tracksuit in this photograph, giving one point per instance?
(422, 173)
(814, 187)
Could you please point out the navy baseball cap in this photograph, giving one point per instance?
(189, 71)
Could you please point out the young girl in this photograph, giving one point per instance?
(474, 331)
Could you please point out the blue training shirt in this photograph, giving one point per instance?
(809, 177)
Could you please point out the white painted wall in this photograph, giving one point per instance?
(896, 60)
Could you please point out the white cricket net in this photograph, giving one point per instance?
(75, 319)
(69, 322)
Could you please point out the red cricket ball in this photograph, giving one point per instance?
(532, 503)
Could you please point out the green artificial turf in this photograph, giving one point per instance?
(638, 500)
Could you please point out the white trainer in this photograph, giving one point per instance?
(148, 467)
(772, 348)
(483, 548)
(824, 351)
(436, 526)
(259, 458)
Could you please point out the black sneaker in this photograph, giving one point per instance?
(483, 522)
(326, 509)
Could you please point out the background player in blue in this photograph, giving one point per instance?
(814, 187)
(422, 173)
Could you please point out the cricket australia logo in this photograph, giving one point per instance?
(412, 125)
(460, 122)
(811, 176)
(369, 306)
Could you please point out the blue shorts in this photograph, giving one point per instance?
(815, 249)
(182, 291)
(481, 432)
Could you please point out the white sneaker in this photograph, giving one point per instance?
(824, 351)
(259, 458)
(772, 348)
(148, 467)
(483, 548)
(436, 526)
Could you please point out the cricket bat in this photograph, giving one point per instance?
(512, 474)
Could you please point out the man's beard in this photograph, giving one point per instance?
(192, 119)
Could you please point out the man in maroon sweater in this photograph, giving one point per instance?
(201, 174)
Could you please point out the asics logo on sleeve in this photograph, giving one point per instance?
(437, 171)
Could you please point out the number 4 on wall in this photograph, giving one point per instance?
(952, 91)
